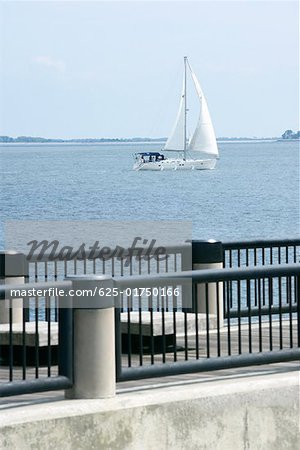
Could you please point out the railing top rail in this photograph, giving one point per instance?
(121, 253)
(260, 243)
(212, 275)
(51, 256)
(196, 276)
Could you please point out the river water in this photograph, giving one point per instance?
(252, 193)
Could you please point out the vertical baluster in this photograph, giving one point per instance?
(259, 316)
(163, 302)
(47, 305)
(113, 266)
(129, 330)
(36, 271)
(228, 327)
(174, 328)
(289, 292)
(118, 341)
(239, 316)
(238, 258)
(247, 257)
(151, 331)
(297, 280)
(195, 295)
(218, 320)
(65, 268)
(11, 351)
(280, 312)
(24, 338)
(36, 348)
(270, 291)
(140, 331)
(207, 321)
(249, 314)
(185, 334)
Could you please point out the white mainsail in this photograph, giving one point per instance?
(175, 141)
(203, 139)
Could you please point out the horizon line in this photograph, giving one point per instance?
(161, 138)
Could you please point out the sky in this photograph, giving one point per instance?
(114, 69)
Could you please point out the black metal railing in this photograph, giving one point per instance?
(261, 252)
(132, 262)
(35, 356)
(255, 253)
(235, 254)
(168, 320)
(169, 339)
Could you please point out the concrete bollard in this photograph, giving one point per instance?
(13, 270)
(209, 255)
(94, 338)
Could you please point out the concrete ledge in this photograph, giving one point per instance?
(168, 323)
(258, 412)
(42, 338)
(30, 334)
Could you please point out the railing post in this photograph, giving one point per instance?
(94, 338)
(209, 255)
(187, 288)
(13, 270)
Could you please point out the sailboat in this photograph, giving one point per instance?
(202, 140)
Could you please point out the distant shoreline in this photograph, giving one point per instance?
(94, 144)
(7, 141)
(91, 142)
(134, 140)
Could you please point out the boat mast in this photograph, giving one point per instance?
(185, 110)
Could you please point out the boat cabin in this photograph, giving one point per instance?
(149, 157)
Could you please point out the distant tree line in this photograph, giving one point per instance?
(24, 139)
(289, 134)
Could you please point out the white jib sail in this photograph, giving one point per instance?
(203, 139)
(175, 141)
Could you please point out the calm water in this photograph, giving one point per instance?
(253, 193)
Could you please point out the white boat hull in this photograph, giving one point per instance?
(177, 164)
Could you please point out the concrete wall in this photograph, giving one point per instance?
(257, 412)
